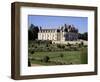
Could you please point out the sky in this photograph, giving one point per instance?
(81, 23)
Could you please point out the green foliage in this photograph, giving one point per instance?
(46, 53)
(60, 46)
(30, 35)
(74, 48)
(68, 44)
(46, 59)
(83, 36)
(29, 62)
(81, 44)
(60, 58)
(45, 46)
(33, 32)
(84, 56)
(61, 55)
(32, 52)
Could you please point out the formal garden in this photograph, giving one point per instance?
(47, 53)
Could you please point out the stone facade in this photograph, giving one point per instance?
(64, 33)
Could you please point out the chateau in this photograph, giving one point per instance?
(63, 33)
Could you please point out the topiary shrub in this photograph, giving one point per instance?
(46, 59)
(32, 52)
(81, 44)
(61, 55)
(68, 44)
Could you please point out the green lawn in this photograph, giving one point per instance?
(69, 57)
(46, 53)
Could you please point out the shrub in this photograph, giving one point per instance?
(32, 45)
(29, 62)
(68, 44)
(47, 45)
(60, 46)
(63, 46)
(46, 59)
(35, 46)
(74, 48)
(85, 45)
(61, 55)
(76, 43)
(32, 52)
(50, 42)
(81, 44)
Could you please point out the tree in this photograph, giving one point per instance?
(29, 62)
(33, 32)
(80, 36)
(83, 36)
(30, 35)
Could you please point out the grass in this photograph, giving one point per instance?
(69, 57)
(58, 54)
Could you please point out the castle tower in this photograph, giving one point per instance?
(62, 32)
